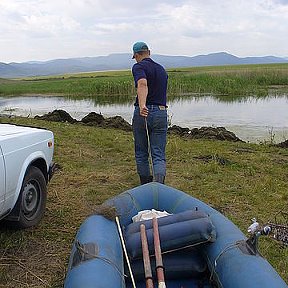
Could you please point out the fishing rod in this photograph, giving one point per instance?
(125, 251)
(149, 146)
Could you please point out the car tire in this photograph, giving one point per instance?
(32, 199)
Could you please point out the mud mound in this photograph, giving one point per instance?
(214, 133)
(177, 130)
(282, 144)
(218, 133)
(57, 116)
(93, 119)
(118, 123)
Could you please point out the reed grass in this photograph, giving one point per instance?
(236, 81)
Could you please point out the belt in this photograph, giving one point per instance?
(161, 107)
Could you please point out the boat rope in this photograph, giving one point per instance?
(120, 209)
(229, 247)
(135, 204)
(80, 248)
(186, 247)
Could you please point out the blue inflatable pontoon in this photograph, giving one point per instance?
(201, 247)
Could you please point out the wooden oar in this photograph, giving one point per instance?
(158, 255)
(146, 258)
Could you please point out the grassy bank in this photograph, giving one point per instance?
(240, 180)
(240, 80)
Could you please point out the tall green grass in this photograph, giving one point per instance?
(241, 80)
(244, 80)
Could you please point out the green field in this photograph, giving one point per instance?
(231, 81)
(97, 163)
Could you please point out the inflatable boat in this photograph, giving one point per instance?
(200, 246)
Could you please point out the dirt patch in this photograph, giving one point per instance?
(214, 133)
(282, 144)
(210, 158)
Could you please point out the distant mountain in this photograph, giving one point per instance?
(123, 61)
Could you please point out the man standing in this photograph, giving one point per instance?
(150, 115)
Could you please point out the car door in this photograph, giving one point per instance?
(2, 181)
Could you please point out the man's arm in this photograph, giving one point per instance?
(142, 92)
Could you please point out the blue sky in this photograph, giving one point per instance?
(44, 30)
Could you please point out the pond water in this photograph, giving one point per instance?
(252, 119)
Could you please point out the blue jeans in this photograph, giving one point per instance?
(157, 128)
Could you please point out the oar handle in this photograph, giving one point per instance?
(146, 257)
(158, 255)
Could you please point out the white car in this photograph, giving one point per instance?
(26, 167)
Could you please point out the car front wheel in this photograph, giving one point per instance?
(32, 198)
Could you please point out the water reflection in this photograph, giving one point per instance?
(250, 118)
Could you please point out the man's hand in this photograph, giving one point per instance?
(144, 111)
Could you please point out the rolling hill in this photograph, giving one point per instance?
(123, 61)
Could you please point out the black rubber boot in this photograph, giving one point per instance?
(159, 178)
(145, 179)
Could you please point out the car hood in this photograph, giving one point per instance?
(8, 129)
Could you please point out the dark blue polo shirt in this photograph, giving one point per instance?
(156, 77)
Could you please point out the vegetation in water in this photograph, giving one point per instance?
(115, 86)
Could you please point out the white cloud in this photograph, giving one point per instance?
(30, 29)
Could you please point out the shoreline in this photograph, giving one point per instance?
(118, 122)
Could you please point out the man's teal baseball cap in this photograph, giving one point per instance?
(139, 47)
